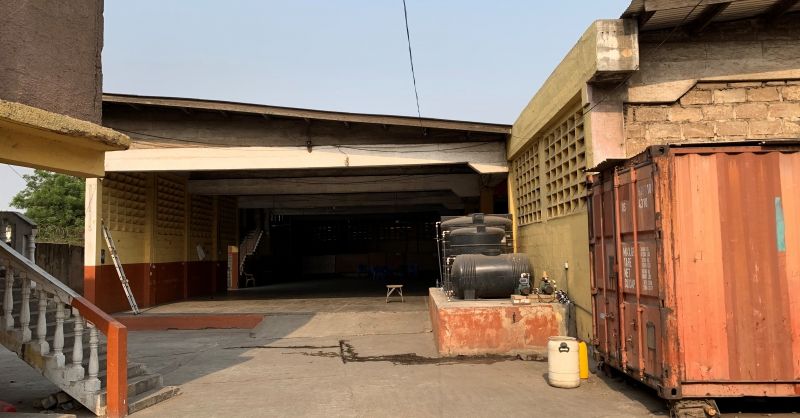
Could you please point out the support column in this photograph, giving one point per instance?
(151, 204)
(31, 250)
(487, 200)
(215, 256)
(187, 226)
(604, 126)
(93, 239)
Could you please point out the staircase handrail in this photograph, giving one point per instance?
(116, 333)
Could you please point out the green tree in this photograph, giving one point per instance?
(52, 200)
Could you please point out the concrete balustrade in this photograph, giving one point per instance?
(56, 305)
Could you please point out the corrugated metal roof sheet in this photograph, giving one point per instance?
(662, 14)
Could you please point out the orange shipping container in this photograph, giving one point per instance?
(704, 301)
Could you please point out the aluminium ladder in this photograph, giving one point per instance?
(120, 272)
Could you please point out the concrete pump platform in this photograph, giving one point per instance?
(476, 327)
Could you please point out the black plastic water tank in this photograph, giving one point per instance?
(489, 276)
(478, 239)
(476, 219)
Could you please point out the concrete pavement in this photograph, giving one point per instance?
(379, 363)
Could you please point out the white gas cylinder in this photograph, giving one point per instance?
(562, 362)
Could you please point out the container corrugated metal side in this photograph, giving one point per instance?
(704, 301)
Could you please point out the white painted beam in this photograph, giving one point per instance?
(464, 185)
(483, 157)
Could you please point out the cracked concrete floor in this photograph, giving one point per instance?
(292, 365)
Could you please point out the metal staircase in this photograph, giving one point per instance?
(248, 246)
(71, 342)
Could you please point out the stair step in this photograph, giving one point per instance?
(134, 370)
(144, 383)
(148, 399)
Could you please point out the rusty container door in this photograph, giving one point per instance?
(637, 243)
(623, 221)
(704, 299)
(736, 223)
(605, 299)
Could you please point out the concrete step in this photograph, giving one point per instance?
(148, 399)
(134, 370)
(138, 385)
(144, 383)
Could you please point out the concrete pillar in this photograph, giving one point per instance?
(93, 238)
(151, 206)
(31, 245)
(604, 125)
(487, 200)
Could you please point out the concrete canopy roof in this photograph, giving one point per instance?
(36, 138)
(696, 14)
(188, 104)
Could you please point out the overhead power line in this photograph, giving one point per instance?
(411, 60)
(15, 171)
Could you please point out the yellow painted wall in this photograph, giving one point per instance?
(552, 243)
(170, 219)
(201, 227)
(124, 211)
(153, 219)
(228, 232)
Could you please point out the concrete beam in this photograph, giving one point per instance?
(483, 157)
(608, 50)
(463, 185)
(308, 114)
(349, 200)
(33, 137)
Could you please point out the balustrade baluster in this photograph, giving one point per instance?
(25, 311)
(77, 346)
(58, 338)
(8, 301)
(93, 382)
(41, 324)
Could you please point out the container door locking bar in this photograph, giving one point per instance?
(120, 272)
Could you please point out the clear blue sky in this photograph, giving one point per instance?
(474, 60)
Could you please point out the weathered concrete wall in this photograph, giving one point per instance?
(63, 261)
(50, 55)
(493, 327)
(732, 111)
(745, 50)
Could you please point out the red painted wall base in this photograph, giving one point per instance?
(152, 283)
